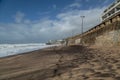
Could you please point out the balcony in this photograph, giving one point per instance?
(112, 10)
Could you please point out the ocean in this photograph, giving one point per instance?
(13, 49)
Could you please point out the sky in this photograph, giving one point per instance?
(38, 21)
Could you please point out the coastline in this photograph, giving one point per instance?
(14, 49)
(28, 52)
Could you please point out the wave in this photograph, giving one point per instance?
(13, 49)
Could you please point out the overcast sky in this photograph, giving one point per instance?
(28, 21)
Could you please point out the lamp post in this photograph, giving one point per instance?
(82, 17)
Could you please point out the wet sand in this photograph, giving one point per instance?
(63, 63)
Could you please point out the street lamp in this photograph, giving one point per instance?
(82, 17)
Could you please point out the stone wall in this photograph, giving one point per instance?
(111, 38)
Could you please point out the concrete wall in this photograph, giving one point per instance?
(111, 38)
(109, 35)
(106, 33)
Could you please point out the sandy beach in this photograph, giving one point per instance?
(63, 63)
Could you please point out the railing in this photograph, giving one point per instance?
(111, 15)
(111, 8)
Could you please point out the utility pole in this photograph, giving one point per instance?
(82, 17)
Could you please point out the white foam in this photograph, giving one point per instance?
(12, 49)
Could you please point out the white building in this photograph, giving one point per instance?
(111, 10)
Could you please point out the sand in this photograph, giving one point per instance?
(63, 63)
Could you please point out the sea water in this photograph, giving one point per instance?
(13, 49)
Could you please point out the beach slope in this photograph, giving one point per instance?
(63, 63)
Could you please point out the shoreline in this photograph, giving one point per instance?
(25, 51)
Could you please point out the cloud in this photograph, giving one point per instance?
(72, 19)
(66, 24)
(54, 6)
(106, 1)
(73, 6)
(44, 13)
(27, 21)
(19, 16)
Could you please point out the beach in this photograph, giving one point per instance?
(63, 63)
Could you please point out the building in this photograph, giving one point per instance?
(56, 42)
(111, 10)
